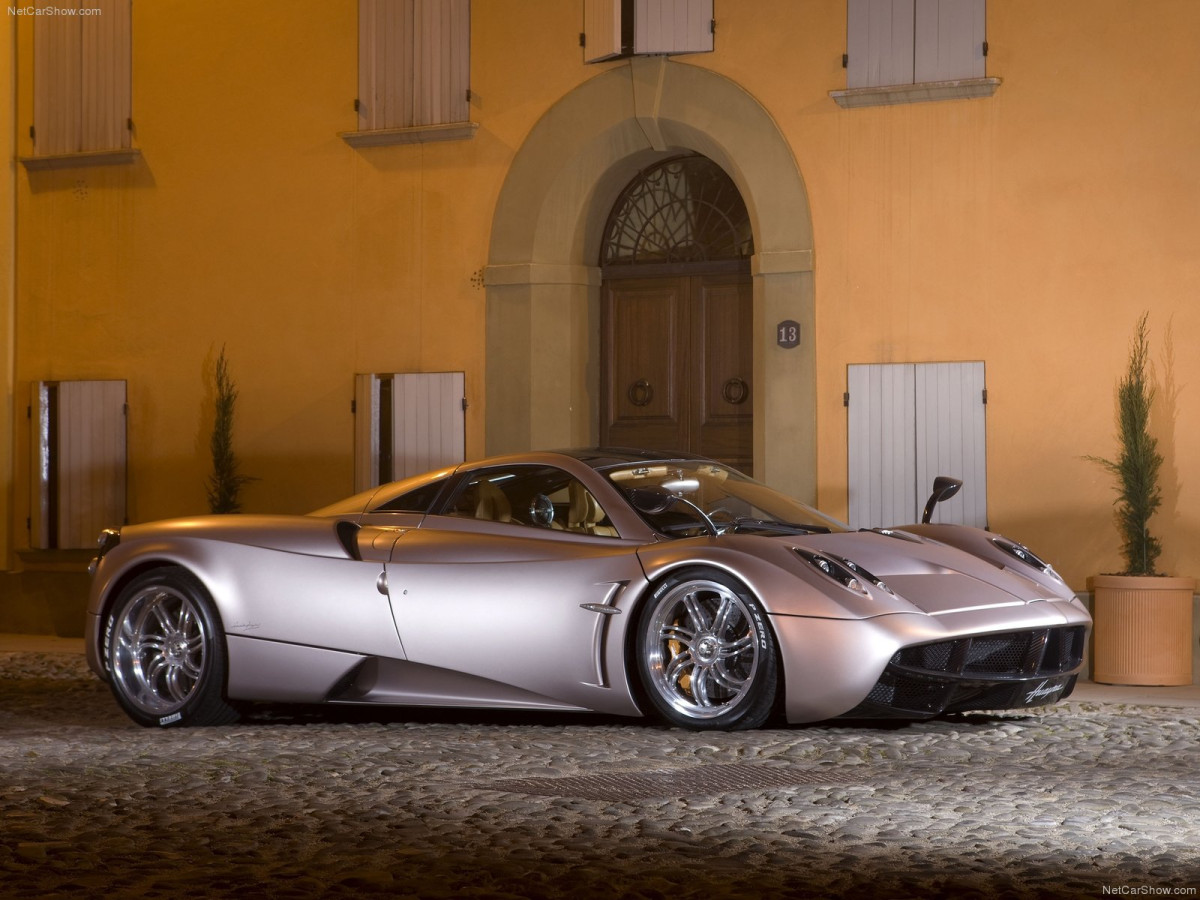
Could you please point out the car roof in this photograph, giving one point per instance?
(607, 457)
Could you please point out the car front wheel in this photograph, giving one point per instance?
(165, 652)
(705, 653)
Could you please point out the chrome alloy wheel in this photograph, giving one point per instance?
(158, 649)
(701, 647)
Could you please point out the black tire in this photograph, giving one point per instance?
(706, 657)
(165, 652)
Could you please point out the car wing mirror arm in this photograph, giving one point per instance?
(944, 487)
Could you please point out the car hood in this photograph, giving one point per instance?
(938, 577)
(961, 569)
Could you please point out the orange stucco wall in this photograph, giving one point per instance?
(1027, 230)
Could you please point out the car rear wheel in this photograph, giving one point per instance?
(705, 653)
(165, 652)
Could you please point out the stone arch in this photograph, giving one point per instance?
(543, 282)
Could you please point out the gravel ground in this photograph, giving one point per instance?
(1075, 800)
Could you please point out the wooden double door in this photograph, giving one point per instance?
(676, 361)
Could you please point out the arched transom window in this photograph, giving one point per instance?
(681, 210)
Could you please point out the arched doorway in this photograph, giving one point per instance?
(542, 367)
(677, 307)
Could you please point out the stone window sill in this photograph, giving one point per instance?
(122, 157)
(422, 134)
(894, 94)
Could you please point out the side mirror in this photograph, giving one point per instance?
(944, 487)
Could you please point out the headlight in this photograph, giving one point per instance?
(108, 539)
(846, 573)
(1025, 555)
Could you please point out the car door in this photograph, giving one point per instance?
(519, 583)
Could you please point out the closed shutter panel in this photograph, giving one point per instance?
(428, 422)
(882, 445)
(442, 61)
(414, 65)
(601, 29)
(384, 63)
(949, 36)
(80, 459)
(407, 424)
(951, 437)
(879, 42)
(366, 432)
(909, 423)
(57, 84)
(673, 26)
(82, 78)
(106, 76)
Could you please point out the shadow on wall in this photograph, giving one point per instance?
(46, 598)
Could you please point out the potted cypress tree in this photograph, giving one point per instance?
(1143, 619)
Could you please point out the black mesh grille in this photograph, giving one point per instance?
(1064, 650)
(909, 695)
(994, 671)
(930, 657)
(1041, 651)
(1003, 654)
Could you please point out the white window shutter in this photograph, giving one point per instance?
(57, 84)
(951, 437)
(80, 460)
(374, 30)
(406, 424)
(879, 42)
(907, 424)
(601, 30)
(414, 63)
(882, 444)
(673, 26)
(81, 83)
(441, 61)
(949, 36)
(428, 422)
(106, 76)
(366, 432)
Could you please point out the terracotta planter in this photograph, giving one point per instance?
(1143, 629)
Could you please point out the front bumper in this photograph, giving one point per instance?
(879, 667)
(1031, 667)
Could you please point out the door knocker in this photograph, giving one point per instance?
(640, 392)
(735, 391)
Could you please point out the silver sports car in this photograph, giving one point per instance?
(617, 581)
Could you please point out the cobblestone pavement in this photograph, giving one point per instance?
(1075, 800)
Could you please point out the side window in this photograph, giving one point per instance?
(535, 496)
(414, 501)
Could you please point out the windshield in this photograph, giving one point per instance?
(695, 497)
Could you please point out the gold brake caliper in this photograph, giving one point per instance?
(676, 648)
